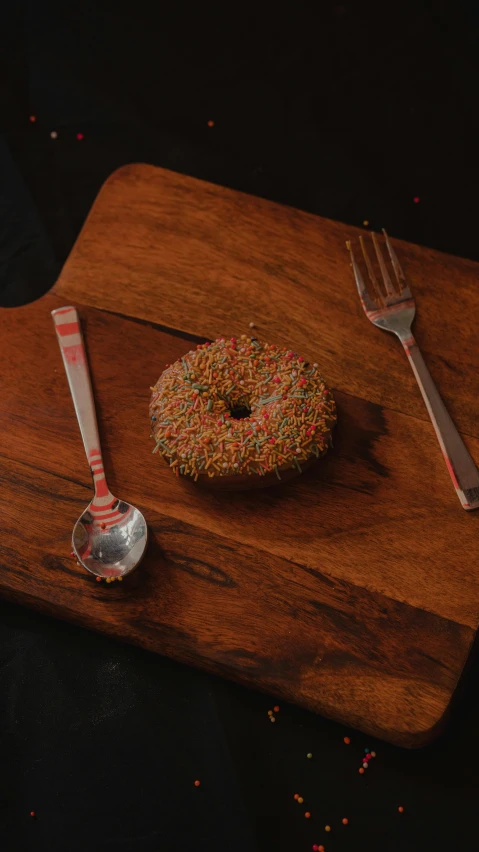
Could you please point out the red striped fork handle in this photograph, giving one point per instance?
(460, 464)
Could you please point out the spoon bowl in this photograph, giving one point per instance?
(113, 549)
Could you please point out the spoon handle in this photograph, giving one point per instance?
(67, 326)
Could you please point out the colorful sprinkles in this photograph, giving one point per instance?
(240, 407)
(369, 755)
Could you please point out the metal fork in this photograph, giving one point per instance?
(393, 309)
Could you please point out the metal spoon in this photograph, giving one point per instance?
(109, 539)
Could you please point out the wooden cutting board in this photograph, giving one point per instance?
(352, 590)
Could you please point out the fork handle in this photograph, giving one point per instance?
(463, 471)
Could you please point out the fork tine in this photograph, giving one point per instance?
(372, 275)
(366, 300)
(384, 272)
(400, 277)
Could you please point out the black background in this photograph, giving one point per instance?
(349, 111)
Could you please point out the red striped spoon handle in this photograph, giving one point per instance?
(67, 325)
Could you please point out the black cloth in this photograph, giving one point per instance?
(338, 112)
(27, 260)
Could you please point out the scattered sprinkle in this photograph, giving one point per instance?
(344, 820)
(327, 828)
(401, 809)
(361, 771)
(315, 847)
(32, 813)
(276, 708)
(80, 136)
(98, 579)
(33, 119)
(197, 783)
(320, 848)
(309, 755)
(307, 815)
(365, 765)
(416, 199)
(296, 796)
(373, 754)
(366, 751)
(366, 223)
(347, 740)
(300, 800)
(270, 712)
(272, 719)
(54, 134)
(211, 123)
(251, 325)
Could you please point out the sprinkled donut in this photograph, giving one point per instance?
(241, 414)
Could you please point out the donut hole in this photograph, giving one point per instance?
(240, 412)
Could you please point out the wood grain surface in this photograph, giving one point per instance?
(352, 590)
